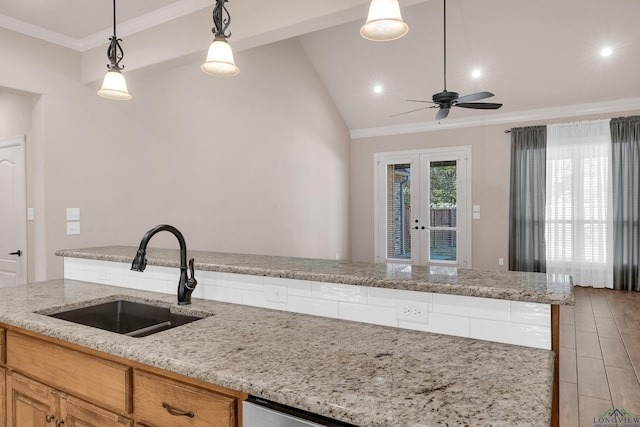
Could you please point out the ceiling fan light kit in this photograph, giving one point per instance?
(384, 22)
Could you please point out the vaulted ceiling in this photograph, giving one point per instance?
(540, 58)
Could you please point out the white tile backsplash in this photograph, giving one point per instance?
(386, 297)
(441, 324)
(367, 313)
(505, 321)
(531, 313)
(483, 308)
(338, 292)
(314, 306)
(511, 333)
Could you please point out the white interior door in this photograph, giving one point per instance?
(13, 215)
(422, 210)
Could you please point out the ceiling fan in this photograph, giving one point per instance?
(445, 99)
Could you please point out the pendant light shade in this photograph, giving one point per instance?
(114, 85)
(220, 60)
(384, 22)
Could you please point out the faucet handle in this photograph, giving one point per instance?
(191, 281)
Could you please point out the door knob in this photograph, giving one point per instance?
(18, 252)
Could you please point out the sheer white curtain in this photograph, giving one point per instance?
(579, 225)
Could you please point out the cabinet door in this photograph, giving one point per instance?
(77, 413)
(3, 399)
(29, 403)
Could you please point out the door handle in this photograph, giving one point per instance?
(18, 252)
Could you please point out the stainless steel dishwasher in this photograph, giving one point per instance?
(258, 412)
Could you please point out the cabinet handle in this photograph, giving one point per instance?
(49, 418)
(59, 423)
(177, 412)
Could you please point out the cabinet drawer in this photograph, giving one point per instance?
(160, 401)
(96, 380)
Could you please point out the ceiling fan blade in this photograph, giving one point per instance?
(418, 100)
(442, 113)
(479, 105)
(411, 111)
(474, 97)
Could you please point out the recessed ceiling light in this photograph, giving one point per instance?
(476, 73)
(377, 89)
(607, 51)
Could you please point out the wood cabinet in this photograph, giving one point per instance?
(30, 403)
(172, 403)
(3, 399)
(77, 413)
(35, 404)
(72, 371)
(2, 345)
(52, 383)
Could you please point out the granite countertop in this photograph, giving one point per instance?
(358, 373)
(509, 285)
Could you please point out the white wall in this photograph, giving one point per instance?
(258, 163)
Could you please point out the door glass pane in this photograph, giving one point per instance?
(399, 211)
(443, 210)
(443, 245)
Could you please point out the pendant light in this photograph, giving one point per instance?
(220, 57)
(384, 22)
(114, 85)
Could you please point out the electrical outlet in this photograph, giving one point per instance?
(409, 311)
(500, 261)
(275, 293)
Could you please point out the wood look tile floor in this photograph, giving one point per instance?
(599, 355)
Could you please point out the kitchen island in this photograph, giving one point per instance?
(505, 285)
(508, 307)
(364, 374)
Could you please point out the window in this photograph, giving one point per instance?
(578, 218)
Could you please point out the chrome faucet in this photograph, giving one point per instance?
(185, 285)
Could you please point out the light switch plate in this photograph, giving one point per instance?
(73, 214)
(73, 228)
(476, 215)
(476, 208)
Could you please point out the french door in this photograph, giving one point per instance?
(422, 203)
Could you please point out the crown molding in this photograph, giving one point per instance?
(496, 119)
(156, 17)
(35, 31)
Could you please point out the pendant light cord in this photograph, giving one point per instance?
(114, 18)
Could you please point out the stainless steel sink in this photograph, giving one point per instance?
(130, 318)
